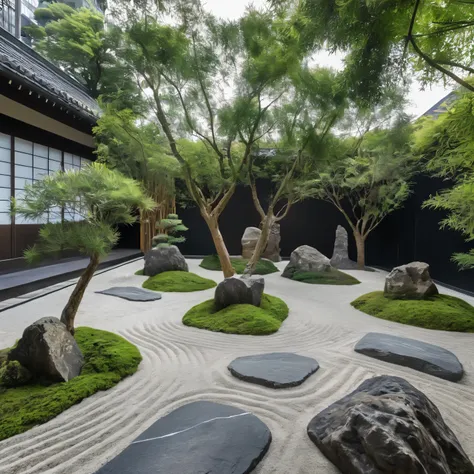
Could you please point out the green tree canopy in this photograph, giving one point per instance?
(447, 145)
(77, 41)
(381, 39)
(99, 199)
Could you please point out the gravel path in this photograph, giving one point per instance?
(182, 364)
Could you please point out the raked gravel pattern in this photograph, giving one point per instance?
(182, 365)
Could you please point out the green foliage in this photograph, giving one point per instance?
(332, 277)
(447, 146)
(379, 44)
(239, 318)
(177, 281)
(77, 41)
(441, 312)
(264, 267)
(171, 227)
(13, 374)
(108, 359)
(103, 198)
(139, 272)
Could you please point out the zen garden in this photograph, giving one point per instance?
(254, 345)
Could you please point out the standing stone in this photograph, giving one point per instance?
(48, 349)
(411, 281)
(306, 259)
(387, 426)
(164, 259)
(340, 257)
(249, 241)
(272, 251)
(239, 291)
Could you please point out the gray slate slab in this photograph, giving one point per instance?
(274, 370)
(132, 293)
(201, 437)
(427, 358)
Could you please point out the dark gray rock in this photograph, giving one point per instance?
(340, 256)
(387, 426)
(275, 370)
(249, 241)
(427, 358)
(164, 259)
(48, 349)
(272, 250)
(306, 259)
(411, 281)
(132, 293)
(198, 438)
(235, 290)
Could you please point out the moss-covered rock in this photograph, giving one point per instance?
(108, 359)
(178, 282)
(239, 318)
(443, 312)
(264, 267)
(329, 277)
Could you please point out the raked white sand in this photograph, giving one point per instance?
(182, 364)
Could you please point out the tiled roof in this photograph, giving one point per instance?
(441, 105)
(30, 69)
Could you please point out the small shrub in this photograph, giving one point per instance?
(264, 267)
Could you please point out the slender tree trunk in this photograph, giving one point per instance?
(261, 244)
(70, 310)
(360, 244)
(221, 249)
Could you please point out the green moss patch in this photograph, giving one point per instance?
(139, 272)
(331, 277)
(178, 282)
(264, 267)
(108, 359)
(239, 318)
(441, 312)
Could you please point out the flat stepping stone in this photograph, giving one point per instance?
(274, 370)
(201, 437)
(427, 358)
(132, 293)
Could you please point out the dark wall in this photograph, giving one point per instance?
(411, 233)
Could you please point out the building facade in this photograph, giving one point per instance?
(46, 121)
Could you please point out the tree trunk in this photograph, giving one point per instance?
(262, 242)
(70, 310)
(221, 249)
(360, 243)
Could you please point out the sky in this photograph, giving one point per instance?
(419, 101)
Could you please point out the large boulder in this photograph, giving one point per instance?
(387, 426)
(306, 259)
(272, 251)
(340, 256)
(164, 259)
(249, 241)
(47, 349)
(239, 291)
(411, 281)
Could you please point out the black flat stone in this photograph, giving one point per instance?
(274, 370)
(132, 293)
(427, 358)
(201, 437)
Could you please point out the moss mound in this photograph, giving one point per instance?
(441, 312)
(108, 359)
(332, 277)
(178, 281)
(264, 267)
(139, 272)
(239, 318)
